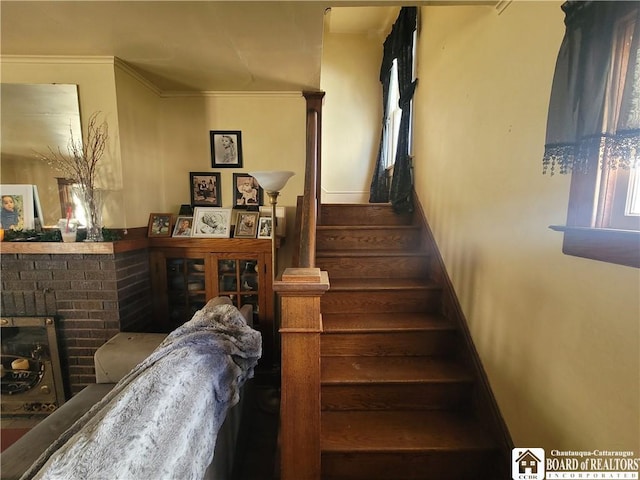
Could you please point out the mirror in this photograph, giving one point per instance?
(34, 118)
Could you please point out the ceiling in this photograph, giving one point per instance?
(193, 45)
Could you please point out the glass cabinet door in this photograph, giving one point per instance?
(239, 279)
(186, 285)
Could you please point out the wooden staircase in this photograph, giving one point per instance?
(397, 390)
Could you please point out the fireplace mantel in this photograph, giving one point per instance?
(83, 248)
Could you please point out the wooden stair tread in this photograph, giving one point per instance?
(401, 431)
(362, 284)
(383, 322)
(367, 227)
(369, 253)
(367, 370)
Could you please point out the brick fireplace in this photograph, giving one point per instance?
(93, 291)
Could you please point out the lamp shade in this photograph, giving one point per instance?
(272, 180)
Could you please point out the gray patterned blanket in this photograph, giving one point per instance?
(160, 422)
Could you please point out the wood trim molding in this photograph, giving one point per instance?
(621, 247)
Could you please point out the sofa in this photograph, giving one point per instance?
(113, 361)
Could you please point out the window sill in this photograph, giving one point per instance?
(621, 247)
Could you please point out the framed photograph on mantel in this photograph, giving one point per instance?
(205, 189)
(247, 191)
(17, 207)
(226, 148)
(160, 225)
(211, 222)
(246, 224)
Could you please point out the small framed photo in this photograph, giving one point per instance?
(248, 192)
(226, 148)
(205, 189)
(160, 225)
(183, 227)
(209, 222)
(246, 225)
(17, 207)
(265, 226)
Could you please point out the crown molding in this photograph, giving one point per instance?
(234, 93)
(63, 59)
(132, 72)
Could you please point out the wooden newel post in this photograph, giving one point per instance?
(300, 327)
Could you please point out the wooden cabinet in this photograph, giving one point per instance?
(186, 273)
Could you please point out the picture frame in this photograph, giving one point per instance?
(265, 224)
(160, 225)
(211, 222)
(247, 191)
(183, 226)
(246, 224)
(205, 189)
(226, 148)
(18, 212)
(281, 219)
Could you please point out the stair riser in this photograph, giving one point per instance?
(369, 239)
(444, 395)
(434, 465)
(409, 266)
(336, 301)
(362, 215)
(405, 343)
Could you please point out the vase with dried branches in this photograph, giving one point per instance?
(80, 165)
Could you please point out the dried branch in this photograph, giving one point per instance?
(80, 164)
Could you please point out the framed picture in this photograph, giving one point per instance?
(183, 227)
(246, 225)
(226, 148)
(205, 189)
(160, 225)
(209, 222)
(281, 219)
(265, 225)
(248, 192)
(17, 207)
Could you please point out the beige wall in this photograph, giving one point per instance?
(351, 115)
(558, 335)
(142, 157)
(273, 138)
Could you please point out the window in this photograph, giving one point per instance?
(594, 130)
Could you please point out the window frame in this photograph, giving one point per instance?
(597, 227)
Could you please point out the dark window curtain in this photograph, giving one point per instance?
(379, 191)
(402, 182)
(400, 44)
(585, 120)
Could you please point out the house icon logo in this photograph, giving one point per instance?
(527, 464)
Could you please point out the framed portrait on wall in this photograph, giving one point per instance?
(211, 222)
(226, 148)
(205, 189)
(17, 207)
(247, 191)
